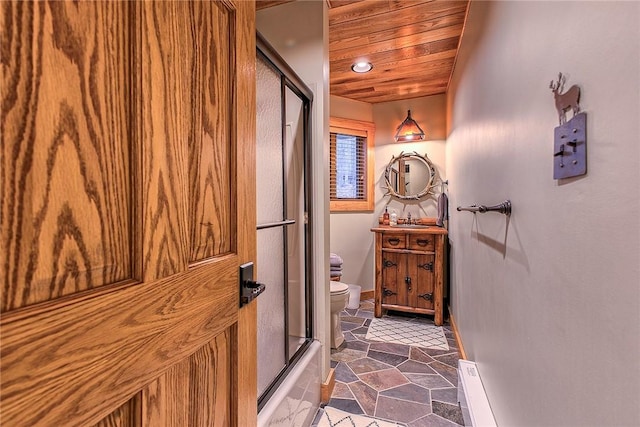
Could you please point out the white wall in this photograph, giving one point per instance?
(351, 237)
(548, 303)
(299, 33)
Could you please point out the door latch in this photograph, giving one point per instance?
(249, 288)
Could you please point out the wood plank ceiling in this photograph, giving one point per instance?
(412, 45)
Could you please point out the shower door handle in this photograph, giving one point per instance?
(249, 288)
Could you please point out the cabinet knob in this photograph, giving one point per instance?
(423, 242)
(393, 240)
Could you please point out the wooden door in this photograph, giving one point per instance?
(127, 205)
(393, 275)
(421, 270)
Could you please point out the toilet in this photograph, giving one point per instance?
(339, 299)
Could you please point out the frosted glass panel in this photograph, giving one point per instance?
(294, 172)
(269, 145)
(270, 205)
(271, 330)
(280, 182)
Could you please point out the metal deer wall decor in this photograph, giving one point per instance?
(565, 101)
(570, 142)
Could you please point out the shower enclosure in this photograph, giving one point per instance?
(283, 236)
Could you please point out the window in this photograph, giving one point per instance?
(351, 165)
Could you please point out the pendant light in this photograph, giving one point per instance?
(409, 130)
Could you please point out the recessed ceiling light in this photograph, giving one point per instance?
(362, 67)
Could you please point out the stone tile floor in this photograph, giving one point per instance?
(413, 386)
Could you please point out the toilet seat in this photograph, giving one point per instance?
(339, 288)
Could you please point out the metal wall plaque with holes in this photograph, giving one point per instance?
(570, 148)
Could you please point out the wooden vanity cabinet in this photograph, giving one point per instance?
(410, 270)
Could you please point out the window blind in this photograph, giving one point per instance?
(348, 167)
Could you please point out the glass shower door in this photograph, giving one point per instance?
(284, 316)
(270, 209)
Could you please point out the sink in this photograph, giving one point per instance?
(412, 226)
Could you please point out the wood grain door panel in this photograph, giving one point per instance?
(66, 159)
(189, 393)
(127, 415)
(105, 349)
(211, 153)
(128, 167)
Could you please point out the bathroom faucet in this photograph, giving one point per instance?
(409, 218)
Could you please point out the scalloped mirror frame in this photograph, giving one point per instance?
(428, 187)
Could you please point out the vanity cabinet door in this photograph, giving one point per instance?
(393, 276)
(421, 269)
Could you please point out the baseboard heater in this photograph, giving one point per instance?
(472, 397)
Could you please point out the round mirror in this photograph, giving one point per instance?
(410, 176)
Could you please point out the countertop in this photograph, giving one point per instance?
(430, 229)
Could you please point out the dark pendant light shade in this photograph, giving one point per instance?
(409, 130)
